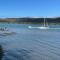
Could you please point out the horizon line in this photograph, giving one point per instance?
(32, 17)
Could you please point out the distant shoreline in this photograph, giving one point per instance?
(30, 23)
(27, 20)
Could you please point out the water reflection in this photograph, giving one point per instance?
(17, 54)
(7, 34)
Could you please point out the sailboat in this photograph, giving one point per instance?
(45, 25)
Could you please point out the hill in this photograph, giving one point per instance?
(31, 20)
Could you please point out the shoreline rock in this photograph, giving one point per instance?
(1, 52)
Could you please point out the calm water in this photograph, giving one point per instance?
(30, 44)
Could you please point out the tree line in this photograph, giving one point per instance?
(32, 20)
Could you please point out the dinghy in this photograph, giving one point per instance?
(6, 31)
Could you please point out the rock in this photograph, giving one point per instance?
(1, 52)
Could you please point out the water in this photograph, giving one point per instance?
(30, 44)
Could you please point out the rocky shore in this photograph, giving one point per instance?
(1, 52)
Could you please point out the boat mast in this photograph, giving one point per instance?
(44, 21)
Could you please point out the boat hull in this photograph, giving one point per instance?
(44, 27)
(39, 27)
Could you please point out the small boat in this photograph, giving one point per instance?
(5, 31)
(45, 26)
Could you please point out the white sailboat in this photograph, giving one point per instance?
(45, 26)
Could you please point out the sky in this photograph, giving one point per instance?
(29, 8)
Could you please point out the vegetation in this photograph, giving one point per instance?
(31, 20)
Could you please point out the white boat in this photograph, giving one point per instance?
(5, 31)
(45, 26)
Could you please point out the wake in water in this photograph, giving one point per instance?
(43, 28)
